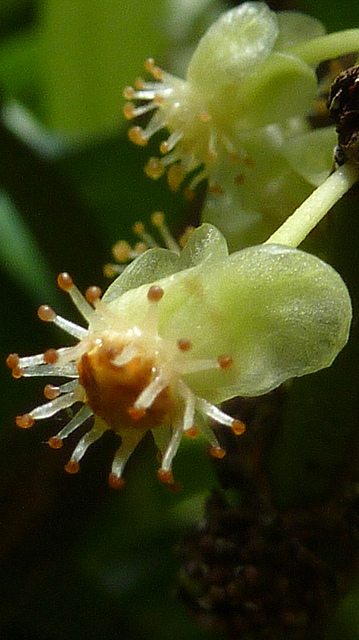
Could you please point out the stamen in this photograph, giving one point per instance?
(213, 412)
(51, 392)
(121, 251)
(140, 231)
(127, 354)
(72, 467)
(155, 168)
(51, 356)
(139, 83)
(129, 443)
(128, 93)
(54, 442)
(192, 432)
(68, 386)
(130, 111)
(46, 313)
(150, 393)
(165, 476)
(89, 438)
(171, 449)
(158, 221)
(27, 361)
(65, 283)
(26, 421)
(170, 143)
(190, 405)
(115, 482)
(217, 452)
(50, 408)
(238, 427)
(112, 270)
(175, 176)
(152, 68)
(81, 416)
(212, 148)
(136, 413)
(92, 294)
(67, 370)
(155, 293)
(201, 175)
(138, 136)
(186, 235)
(13, 360)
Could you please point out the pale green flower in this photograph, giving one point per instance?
(239, 118)
(174, 335)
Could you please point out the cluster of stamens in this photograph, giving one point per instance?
(195, 139)
(128, 379)
(124, 253)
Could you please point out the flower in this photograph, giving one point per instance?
(174, 335)
(240, 117)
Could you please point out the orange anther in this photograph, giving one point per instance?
(155, 293)
(138, 228)
(138, 136)
(50, 356)
(154, 168)
(121, 251)
(139, 84)
(92, 294)
(129, 110)
(238, 427)
(128, 93)
(175, 176)
(64, 281)
(12, 361)
(51, 392)
(116, 482)
(192, 432)
(217, 452)
(158, 218)
(164, 147)
(46, 313)
(72, 467)
(25, 421)
(165, 476)
(136, 414)
(55, 443)
(17, 373)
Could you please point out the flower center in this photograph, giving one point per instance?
(112, 389)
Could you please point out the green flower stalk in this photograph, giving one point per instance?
(177, 333)
(240, 117)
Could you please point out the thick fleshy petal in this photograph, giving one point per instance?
(238, 41)
(278, 312)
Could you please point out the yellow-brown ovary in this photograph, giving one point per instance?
(111, 390)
